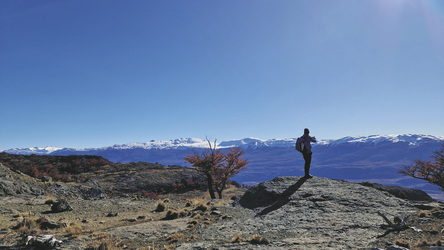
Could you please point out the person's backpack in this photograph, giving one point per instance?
(300, 146)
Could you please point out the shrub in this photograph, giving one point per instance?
(217, 167)
(171, 215)
(161, 206)
(27, 226)
(257, 239)
(423, 213)
(149, 194)
(237, 238)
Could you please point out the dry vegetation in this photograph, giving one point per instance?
(89, 224)
(425, 231)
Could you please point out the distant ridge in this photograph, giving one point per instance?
(374, 158)
(184, 143)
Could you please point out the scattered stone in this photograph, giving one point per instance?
(201, 207)
(226, 216)
(438, 214)
(46, 179)
(396, 247)
(416, 229)
(46, 241)
(48, 224)
(218, 213)
(111, 214)
(61, 206)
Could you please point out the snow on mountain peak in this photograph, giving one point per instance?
(34, 150)
(412, 139)
(185, 143)
(171, 144)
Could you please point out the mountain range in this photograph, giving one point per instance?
(375, 158)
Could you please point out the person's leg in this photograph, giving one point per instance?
(307, 158)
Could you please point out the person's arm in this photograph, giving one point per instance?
(313, 139)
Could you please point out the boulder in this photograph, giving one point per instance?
(61, 206)
(266, 193)
(401, 192)
(46, 241)
(95, 193)
(46, 178)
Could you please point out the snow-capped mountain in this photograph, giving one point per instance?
(375, 158)
(186, 143)
(412, 139)
(34, 150)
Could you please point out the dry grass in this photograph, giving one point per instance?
(73, 229)
(28, 226)
(435, 209)
(193, 238)
(257, 239)
(175, 237)
(104, 241)
(94, 213)
(237, 238)
(171, 215)
(423, 213)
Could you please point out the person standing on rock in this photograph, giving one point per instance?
(306, 152)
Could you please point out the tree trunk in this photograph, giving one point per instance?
(210, 186)
(219, 192)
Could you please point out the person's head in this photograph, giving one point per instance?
(306, 131)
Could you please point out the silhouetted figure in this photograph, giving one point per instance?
(307, 151)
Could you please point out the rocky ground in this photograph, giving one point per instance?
(284, 213)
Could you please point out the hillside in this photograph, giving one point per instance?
(284, 213)
(107, 178)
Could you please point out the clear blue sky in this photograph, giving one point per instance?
(81, 73)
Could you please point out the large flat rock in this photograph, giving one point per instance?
(317, 213)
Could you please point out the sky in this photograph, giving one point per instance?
(81, 73)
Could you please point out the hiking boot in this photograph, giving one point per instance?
(308, 176)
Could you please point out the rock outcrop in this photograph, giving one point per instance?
(12, 183)
(317, 213)
(88, 191)
(401, 192)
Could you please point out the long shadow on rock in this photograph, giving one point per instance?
(284, 198)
